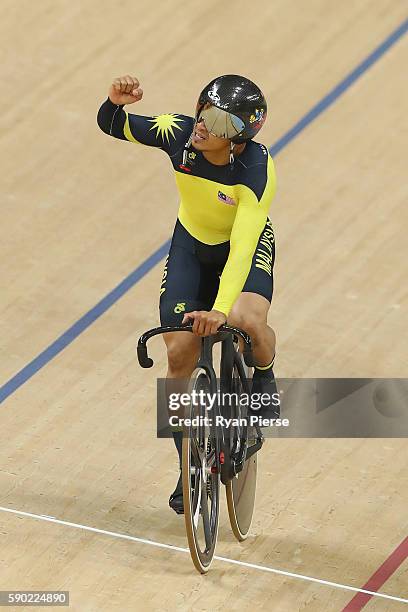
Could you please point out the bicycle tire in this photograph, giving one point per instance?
(195, 497)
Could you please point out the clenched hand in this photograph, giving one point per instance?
(125, 90)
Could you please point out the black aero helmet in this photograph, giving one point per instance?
(232, 107)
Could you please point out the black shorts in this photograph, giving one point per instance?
(192, 273)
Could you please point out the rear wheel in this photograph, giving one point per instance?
(241, 488)
(201, 481)
(241, 498)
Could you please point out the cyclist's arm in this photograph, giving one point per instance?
(150, 131)
(249, 222)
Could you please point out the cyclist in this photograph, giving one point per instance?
(220, 263)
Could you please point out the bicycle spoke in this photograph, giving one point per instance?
(211, 458)
(197, 498)
(206, 518)
(195, 451)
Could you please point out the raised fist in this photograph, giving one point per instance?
(125, 90)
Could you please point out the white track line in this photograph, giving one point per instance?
(262, 568)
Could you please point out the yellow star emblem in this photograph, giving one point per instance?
(164, 125)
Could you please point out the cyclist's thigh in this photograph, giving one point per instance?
(182, 346)
(186, 284)
(249, 308)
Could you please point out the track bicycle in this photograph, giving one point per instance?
(215, 450)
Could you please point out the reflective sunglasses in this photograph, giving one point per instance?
(220, 123)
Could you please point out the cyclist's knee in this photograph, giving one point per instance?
(255, 326)
(251, 322)
(236, 319)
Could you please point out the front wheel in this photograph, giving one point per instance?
(201, 480)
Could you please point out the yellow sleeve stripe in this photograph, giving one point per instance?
(126, 130)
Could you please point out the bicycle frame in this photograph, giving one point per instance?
(225, 335)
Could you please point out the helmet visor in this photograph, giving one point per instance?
(220, 123)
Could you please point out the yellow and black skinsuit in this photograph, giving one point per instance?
(223, 242)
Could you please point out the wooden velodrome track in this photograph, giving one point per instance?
(80, 212)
